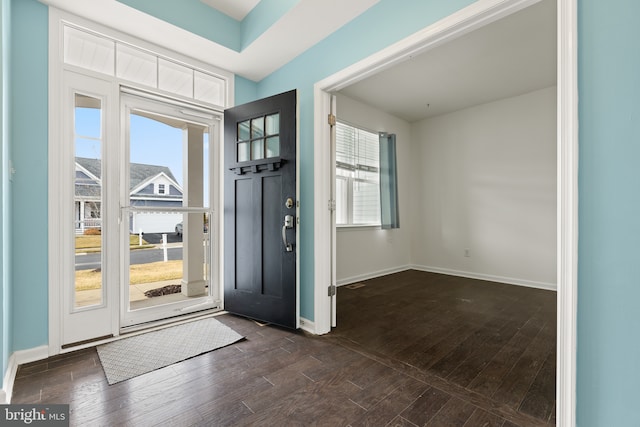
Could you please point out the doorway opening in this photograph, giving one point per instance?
(448, 29)
(167, 199)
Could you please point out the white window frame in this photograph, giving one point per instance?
(57, 67)
(350, 181)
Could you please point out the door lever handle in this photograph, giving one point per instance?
(288, 223)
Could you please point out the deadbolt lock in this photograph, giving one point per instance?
(289, 203)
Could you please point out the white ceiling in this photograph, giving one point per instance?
(237, 9)
(509, 57)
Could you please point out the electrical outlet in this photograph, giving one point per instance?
(467, 252)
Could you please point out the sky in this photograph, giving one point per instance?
(151, 142)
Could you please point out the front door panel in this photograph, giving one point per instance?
(260, 210)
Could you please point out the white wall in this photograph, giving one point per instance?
(486, 180)
(369, 252)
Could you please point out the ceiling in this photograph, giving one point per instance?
(237, 9)
(506, 58)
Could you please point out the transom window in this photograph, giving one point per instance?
(357, 176)
(127, 63)
(258, 138)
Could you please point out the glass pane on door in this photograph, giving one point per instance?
(168, 267)
(169, 179)
(88, 201)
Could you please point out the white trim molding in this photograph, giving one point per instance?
(307, 325)
(322, 222)
(567, 300)
(487, 277)
(478, 14)
(16, 359)
(372, 275)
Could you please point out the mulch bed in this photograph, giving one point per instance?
(165, 290)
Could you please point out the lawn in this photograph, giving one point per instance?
(138, 274)
(94, 243)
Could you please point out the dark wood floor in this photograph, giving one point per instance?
(411, 348)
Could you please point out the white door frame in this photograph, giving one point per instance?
(188, 113)
(57, 20)
(478, 14)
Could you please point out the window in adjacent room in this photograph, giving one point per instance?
(357, 176)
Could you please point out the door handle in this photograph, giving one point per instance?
(288, 223)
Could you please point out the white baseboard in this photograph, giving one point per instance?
(9, 378)
(371, 275)
(307, 325)
(16, 359)
(487, 277)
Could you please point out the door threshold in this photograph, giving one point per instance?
(89, 342)
(134, 330)
(175, 320)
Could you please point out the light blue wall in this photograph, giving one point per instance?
(244, 90)
(263, 16)
(609, 214)
(29, 152)
(194, 16)
(362, 37)
(197, 17)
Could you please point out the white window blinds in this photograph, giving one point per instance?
(357, 176)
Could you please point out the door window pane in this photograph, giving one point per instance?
(243, 152)
(175, 266)
(243, 131)
(168, 170)
(263, 132)
(257, 149)
(257, 128)
(273, 146)
(272, 124)
(87, 202)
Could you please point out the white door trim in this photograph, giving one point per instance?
(567, 253)
(478, 14)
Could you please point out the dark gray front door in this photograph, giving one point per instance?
(260, 210)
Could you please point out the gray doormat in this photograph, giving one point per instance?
(137, 355)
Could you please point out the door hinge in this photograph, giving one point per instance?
(331, 205)
(332, 120)
(332, 290)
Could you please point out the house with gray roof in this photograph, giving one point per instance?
(149, 186)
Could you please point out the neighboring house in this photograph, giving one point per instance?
(150, 186)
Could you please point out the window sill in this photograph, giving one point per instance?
(352, 227)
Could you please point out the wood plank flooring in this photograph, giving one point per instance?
(411, 349)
